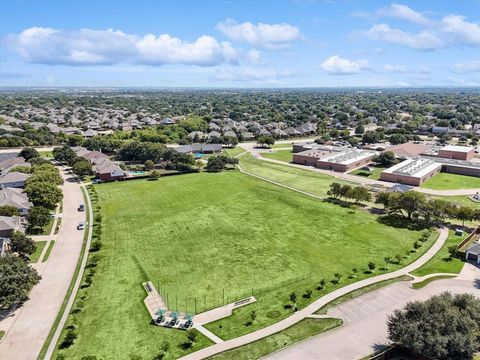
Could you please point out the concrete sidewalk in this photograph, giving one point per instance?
(317, 304)
(28, 327)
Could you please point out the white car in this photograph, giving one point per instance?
(81, 226)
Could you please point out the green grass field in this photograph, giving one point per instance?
(375, 174)
(36, 255)
(282, 155)
(442, 262)
(298, 332)
(446, 181)
(280, 146)
(235, 151)
(201, 233)
(305, 180)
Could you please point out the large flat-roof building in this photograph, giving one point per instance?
(334, 158)
(414, 171)
(457, 152)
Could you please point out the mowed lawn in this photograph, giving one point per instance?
(446, 181)
(200, 233)
(282, 155)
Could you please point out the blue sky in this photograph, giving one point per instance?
(239, 43)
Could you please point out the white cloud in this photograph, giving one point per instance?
(467, 66)
(254, 74)
(101, 47)
(460, 30)
(423, 40)
(269, 36)
(254, 56)
(403, 12)
(340, 66)
(395, 68)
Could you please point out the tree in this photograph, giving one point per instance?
(360, 194)
(345, 191)
(445, 326)
(16, 281)
(21, 244)
(64, 154)
(29, 153)
(396, 139)
(220, 162)
(9, 210)
(293, 297)
(155, 175)
(386, 159)
(371, 266)
(38, 217)
(44, 194)
(337, 277)
(335, 190)
(359, 130)
(321, 284)
(149, 164)
(464, 213)
(410, 202)
(82, 168)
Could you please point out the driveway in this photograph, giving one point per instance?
(365, 319)
(28, 327)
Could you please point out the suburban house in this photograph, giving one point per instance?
(8, 164)
(199, 148)
(13, 179)
(16, 198)
(9, 224)
(104, 168)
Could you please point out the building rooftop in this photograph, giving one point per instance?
(349, 156)
(414, 167)
(457, 148)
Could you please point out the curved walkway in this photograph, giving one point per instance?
(28, 327)
(317, 304)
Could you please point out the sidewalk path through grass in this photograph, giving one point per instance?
(310, 309)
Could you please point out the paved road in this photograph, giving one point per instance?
(365, 320)
(29, 326)
(317, 304)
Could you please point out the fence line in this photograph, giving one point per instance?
(212, 299)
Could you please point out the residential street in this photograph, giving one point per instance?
(365, 319)
(28, 327)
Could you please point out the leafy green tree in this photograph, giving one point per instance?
(82, 168)
(386, 159)
(38, 217)
(220, 162)
(464, 213)
(64, 154)
(8, 210)
(371, 266)
(16, 281)
(44, 194)
(360, 194)
(22, 244)
(149, 164)
(29, 153)
(410, 202)
(335, 190)
(445, 326)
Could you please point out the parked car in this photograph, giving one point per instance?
(81, 207)
(81, 225)
(173, 322)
